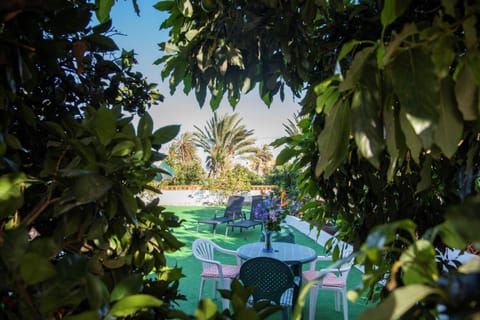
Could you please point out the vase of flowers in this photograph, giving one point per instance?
(271, 213)
(268, 241)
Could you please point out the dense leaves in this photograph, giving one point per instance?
(76, 241)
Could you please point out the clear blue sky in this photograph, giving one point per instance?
(143, 35)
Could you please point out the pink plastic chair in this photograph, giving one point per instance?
(335, 279)
(221, 274)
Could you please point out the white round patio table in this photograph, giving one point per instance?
(284, 251)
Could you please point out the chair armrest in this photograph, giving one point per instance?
(230, 252)
(313, 264)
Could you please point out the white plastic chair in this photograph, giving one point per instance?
(335, 279)
(221, 274)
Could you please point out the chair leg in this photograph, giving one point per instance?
(286, 312)
(226, 285)
(345, 306)
(202, 284)
(338, 298)
(215, 288)
(198, 224)
(313, 302)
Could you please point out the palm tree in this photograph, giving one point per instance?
(292, 126)
(183, 149)
(223, 139)
(261, 160)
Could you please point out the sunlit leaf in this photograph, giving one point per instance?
(103, 124)
(123, 148)
(398, 302)
(133, 303)
(366, 126)
(103, 9)
(128, 286)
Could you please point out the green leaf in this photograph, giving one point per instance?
(333, 140)
(103, 9)
(55, 128)
(392, 9)
(123, 148)
(103, 124)
(35, 268)
(449, 129)
(366, 126)
(385, 234)
(416, 84)
(185, 7)
(425, 176)
(14, 247)
(466, 92)
(284, 156)
(394, 138)
(347, 48)
(128, 201)
(101, 43)
(145, 126)
(464, 219)
(96, 291)
(399, 301)
(206, 309)
(164, 5)
(412, 141)
(12, 187)
(91, 187)
(418, 263)
(356, 71)
(443, 56)
(126, 287)
(131, 304)
(449, 236)
(103, 27)
(165, 134)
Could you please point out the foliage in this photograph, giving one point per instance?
(76, 242)
(223, 139)
(390, 103)
(286, 180)
(234, 181)
(185, 162)
(261, 160)
(185, 173)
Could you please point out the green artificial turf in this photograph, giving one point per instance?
(192, 268)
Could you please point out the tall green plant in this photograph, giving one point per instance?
(76, 241)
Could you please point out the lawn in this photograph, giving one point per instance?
(191, 267)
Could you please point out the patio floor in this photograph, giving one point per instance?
(189, 285)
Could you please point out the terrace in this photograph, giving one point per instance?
(189, 285)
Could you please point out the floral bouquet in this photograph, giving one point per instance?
(271, 212)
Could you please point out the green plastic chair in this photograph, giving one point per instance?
(273, 280)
